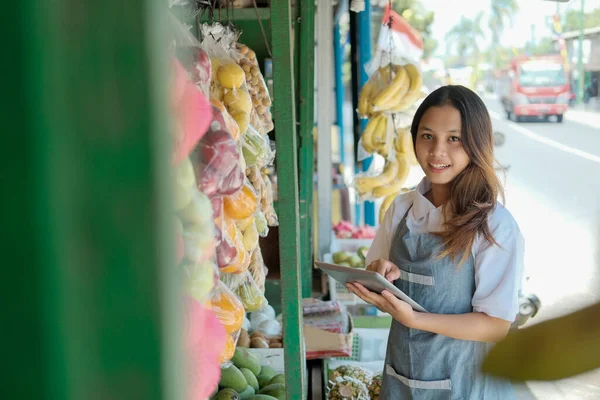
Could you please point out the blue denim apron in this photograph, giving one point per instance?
(423, 365)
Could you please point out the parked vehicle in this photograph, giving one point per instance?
(535, 87)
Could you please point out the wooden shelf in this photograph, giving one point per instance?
(238, 14)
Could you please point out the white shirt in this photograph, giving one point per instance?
(498, 270)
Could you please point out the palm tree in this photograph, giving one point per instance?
(502, 11)
(464, 36)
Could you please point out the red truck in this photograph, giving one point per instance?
(535, 87)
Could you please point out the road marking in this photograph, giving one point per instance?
(545, 140)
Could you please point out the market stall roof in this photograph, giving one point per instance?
(586, 32)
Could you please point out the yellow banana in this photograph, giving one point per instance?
(364, 98)
(369, 132)
(380, 80)
(381, 138)
(416, 81)
(404, 146)
(395, 185)
(387, 202)
(397, 97)
(380, 132)
(365, 184)
(387, 94)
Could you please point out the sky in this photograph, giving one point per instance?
(531, 12)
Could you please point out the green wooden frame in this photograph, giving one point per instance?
(284, 111)
(91, 301)
(305, 75)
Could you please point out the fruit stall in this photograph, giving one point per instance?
(163, 177)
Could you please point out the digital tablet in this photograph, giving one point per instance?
(369, 279)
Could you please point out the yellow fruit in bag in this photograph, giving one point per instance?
(250, 238)
(242, 119)
(237, 101)
(231, 76)
(250, 295)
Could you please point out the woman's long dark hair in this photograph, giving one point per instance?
(474, 192)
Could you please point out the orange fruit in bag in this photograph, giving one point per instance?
(228, 350)
(242, 204)
(228, 308)
(242, 260)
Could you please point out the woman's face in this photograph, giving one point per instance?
(438, 145)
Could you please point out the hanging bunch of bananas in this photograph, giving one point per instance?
(390, 181)
(392, 88)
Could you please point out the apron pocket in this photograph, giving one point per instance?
(444, 384)
(417, 278)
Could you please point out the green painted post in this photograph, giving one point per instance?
(305, 75)
(287, 178)
(90, 301)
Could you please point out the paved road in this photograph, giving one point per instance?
(553, 190)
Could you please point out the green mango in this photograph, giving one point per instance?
(249, 392)
(280, 378)
(233, 378)
(276, 390)
(341, 256)
(250, 378)
(244, 358)
(228, 394)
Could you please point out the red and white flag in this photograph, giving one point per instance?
(399, 38)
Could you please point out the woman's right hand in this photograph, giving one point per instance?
(385, 268)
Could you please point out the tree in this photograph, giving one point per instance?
(590, 20)
(420, 19)
(463, 37)
(502, 11)
(544, 46)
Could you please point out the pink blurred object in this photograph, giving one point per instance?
(204, 340)
(345, 230)
(192, 112)
(364, 232)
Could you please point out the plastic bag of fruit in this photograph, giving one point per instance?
(228, 83)
(227, 307)
(250, 294)
(222, 120)
(395, 79)
(225, 235)
(266, 202)
(258, 269)
(261, 116)
(217, 166)
(227, 261)
(243, 203)
(198, 228)
(257, 149)
(198, 279)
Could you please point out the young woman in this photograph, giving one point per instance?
(454, 249)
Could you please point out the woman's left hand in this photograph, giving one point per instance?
(400, 310)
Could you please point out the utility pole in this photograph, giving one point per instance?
(581, 73)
